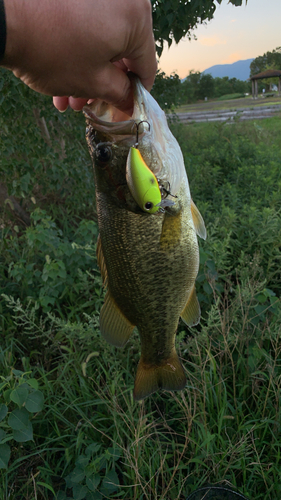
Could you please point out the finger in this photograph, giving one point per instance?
(142, 60)
(115, 88)
(77, 103)
(61, 103)
(121, 65)
(144, 65)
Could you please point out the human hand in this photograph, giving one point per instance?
(70, 48)
(77, 103)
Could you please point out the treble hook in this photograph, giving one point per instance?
(137, 133)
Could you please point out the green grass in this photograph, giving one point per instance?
(212, 105)
(228, 97)
(91, 440)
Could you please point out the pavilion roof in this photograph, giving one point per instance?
(269, 73)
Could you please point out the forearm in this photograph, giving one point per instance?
(2, 30)
(29, 28)
(14, 27)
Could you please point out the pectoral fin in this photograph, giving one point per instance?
(114, 326)
(191, 313)
(169, 376)
(198, 221)
(101, 261)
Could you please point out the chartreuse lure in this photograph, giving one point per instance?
(141, 180)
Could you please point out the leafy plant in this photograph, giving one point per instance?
(94, 476)
(20, 400)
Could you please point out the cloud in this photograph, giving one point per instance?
(235, 56)
(211, 41)
(233, 21)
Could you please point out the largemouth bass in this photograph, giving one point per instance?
(148, 261)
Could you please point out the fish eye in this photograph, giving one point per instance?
(103, 153)
(148, 205)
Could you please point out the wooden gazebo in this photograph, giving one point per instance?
(270, 73)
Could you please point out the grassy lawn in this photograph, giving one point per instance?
(69, 428)
(229, 104)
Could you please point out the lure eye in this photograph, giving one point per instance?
(103, 153)
(148, 205)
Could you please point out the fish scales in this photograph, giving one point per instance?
(150, 260)
(149, 282)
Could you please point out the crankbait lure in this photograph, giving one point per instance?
(141, 180)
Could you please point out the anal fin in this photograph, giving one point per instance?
(114, 326)
(191, 312)
(169, 376)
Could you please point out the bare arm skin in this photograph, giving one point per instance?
(80, 48)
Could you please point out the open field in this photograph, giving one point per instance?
(235, 109)
(231, 104)
(69, 428)
(230, 115)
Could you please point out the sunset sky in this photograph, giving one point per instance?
(235, 33)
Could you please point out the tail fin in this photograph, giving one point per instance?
(149, 378)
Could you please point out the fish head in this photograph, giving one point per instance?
(111, 135)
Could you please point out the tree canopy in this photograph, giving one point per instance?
(269, 60)
(171, 92)
(174, 19)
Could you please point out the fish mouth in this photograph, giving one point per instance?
(105, 118)
(156, 143)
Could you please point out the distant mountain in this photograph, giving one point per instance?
(239, 70)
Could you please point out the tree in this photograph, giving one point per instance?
(239, 86)
(190, 86)
(167, 90)
(206, 86)
(269, 60)
(222, 86)
(174, 19)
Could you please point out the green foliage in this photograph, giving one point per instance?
(50, 267)
(69, 427)
(269, 60)
(205, 87)
(197, 86)
(174, 19)
(94, 476)
(42, 152)
(225, 86)
(20, 399)
(103, 444)
(167, 90)
(190, 86)
(238, 169)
